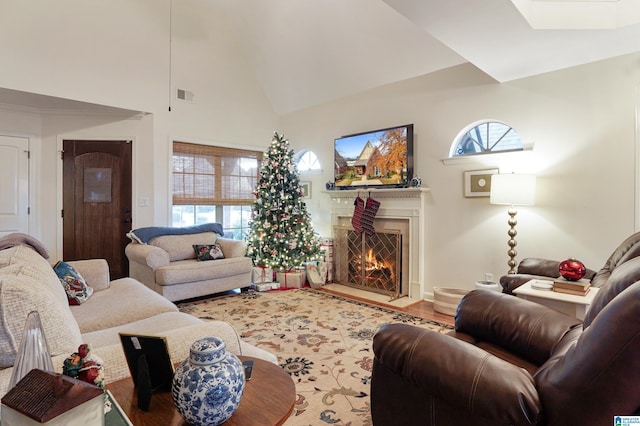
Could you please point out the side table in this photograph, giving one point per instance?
(268, 399)
(566, 303)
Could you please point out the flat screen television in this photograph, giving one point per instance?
(375, 159)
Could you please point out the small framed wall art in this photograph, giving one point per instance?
(306, 189)
(477, 183)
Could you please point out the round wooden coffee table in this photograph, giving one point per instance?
(268, 400)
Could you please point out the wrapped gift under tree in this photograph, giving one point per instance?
(261, 274)
(295, 278)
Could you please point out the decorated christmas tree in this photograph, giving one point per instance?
(281, 236)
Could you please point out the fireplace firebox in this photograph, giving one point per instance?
(369, 261)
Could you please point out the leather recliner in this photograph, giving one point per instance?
(532, 268)
(513, 362)
(536, 268)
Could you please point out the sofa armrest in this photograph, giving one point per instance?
(94, 271)
(540, 267)
(527, 329)
(511, 282)
(463, 376)
(147, 255)
(528, 269)
(232, 248)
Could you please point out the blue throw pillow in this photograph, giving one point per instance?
(74, 285)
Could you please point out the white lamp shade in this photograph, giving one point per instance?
(513, 189)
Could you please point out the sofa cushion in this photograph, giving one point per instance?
(16, 254)
(180, 247)
(185, 271)
(155, 325)
(208, 252)
(42, 270)
(22, 290)
(126, 300)
(232, 248)
(73, 283)
(94, 271)
(622, 277)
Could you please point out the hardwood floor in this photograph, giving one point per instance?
(423, 309)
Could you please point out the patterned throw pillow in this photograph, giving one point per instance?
(74, 285)
(208, 251)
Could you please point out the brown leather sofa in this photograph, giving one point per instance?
(536, 268)
(531, 268)
(513, 362)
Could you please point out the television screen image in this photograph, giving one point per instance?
(379, 158)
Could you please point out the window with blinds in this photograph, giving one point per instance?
(213, 184)
(213, 175)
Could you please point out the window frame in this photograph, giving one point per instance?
(298, 158)
(492, 146)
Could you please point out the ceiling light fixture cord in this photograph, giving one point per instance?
(170, 40)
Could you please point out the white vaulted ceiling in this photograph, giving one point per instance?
(306, 52)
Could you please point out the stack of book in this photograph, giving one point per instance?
(578, 288)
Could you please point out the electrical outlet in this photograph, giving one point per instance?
(143, 202)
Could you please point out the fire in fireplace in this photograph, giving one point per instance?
(376, 272)
(369, 261)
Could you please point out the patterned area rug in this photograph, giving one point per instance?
(323, 341)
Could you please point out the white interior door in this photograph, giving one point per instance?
(14, 184)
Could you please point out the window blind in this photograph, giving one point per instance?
(211, 175)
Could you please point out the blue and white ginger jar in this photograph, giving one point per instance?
(207, 386)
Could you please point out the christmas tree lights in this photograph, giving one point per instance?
(281, 236)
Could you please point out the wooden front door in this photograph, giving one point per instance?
(97, 202)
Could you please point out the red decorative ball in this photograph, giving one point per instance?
(572, 269)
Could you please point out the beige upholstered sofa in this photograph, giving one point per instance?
(168, 265)
(28, 283)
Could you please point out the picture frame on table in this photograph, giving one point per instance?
(306, 189)
(477, 183)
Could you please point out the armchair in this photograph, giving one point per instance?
(513, 362)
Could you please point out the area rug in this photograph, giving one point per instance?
(323, 341)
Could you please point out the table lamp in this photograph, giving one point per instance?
(513, 189)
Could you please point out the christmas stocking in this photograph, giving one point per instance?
(357, 214)
(369, 214)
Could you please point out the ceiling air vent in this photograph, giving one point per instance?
(184, 95)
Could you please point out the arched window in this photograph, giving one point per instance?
(307, 161)
(486, 136)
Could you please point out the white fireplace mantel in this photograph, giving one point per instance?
(395, 203)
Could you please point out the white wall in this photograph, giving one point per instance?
(581, 122)
(122, 53)
(113, 53)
